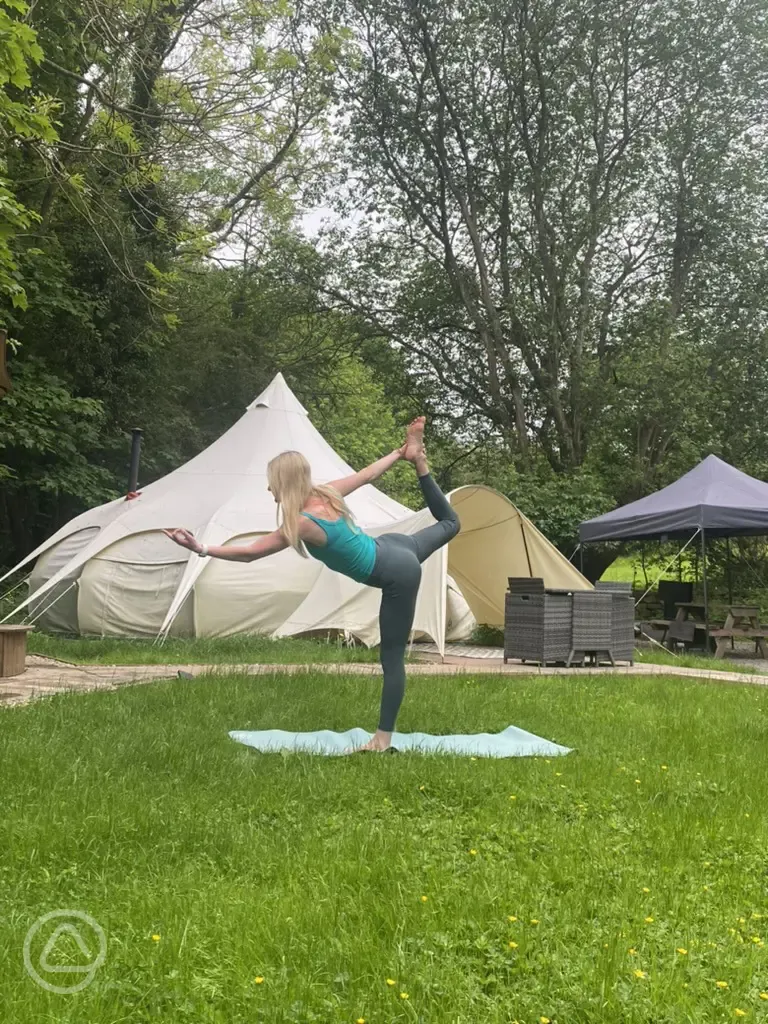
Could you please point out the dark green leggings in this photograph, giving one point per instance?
(397, 573)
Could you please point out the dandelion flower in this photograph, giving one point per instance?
(664, 768)
(360, 1020)
(756, 939)
(742, 920)
(764, 995)
(258, 980)
(424, 899)
(722, 984)
(740, 1013)
(513, 945)
(646, 889)
(558, 774)
(681, 951)
(543, 1020)
(534, 920)
(473, 853)
(422, 788)
(155, 938)
(512, 918)
(404, 995)
(632, 951)
(649, 920)
(391, 981)
(639, 974)
(513, 797)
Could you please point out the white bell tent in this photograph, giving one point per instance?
(111, 570)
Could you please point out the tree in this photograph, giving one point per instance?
(24, 120)
(535, 177)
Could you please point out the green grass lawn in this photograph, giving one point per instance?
(242, 649)
(655, 656)
(620, 883)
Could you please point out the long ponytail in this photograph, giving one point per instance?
(290, 480)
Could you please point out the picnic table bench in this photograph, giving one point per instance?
(743, 623)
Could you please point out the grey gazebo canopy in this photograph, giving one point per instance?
(714, 499)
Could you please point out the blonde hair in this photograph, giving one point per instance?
(290, 479)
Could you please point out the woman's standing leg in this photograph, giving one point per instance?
(398, 573)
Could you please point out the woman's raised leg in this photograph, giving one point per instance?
(431, 538)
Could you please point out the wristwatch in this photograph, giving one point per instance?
(203, 552)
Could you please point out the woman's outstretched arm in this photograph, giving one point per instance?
(269, 544)
(348, 484)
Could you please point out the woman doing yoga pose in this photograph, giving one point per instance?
(316, 520)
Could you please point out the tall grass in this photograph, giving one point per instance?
(236, 650)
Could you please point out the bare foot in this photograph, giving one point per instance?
(380, 742)
(414, 439)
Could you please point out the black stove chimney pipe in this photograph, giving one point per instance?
(133, 476)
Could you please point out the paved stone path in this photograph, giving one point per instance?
(44, 676)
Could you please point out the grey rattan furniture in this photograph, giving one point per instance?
(537, 623)
(622, 620)
(551, 626)
(592, 626)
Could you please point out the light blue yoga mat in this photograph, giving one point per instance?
(511, 742)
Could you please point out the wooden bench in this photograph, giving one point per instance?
(13, 650)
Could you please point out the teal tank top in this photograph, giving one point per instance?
(348, 551)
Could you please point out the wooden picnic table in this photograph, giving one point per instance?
(742, 622)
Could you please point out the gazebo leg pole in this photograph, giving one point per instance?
(730, 581)
(704, 583)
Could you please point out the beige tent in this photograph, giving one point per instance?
(111, 571)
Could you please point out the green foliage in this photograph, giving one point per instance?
(48, 436)
(359, 423)
(22, 117)
(557, 505)
(487, 636)
(576, 301)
